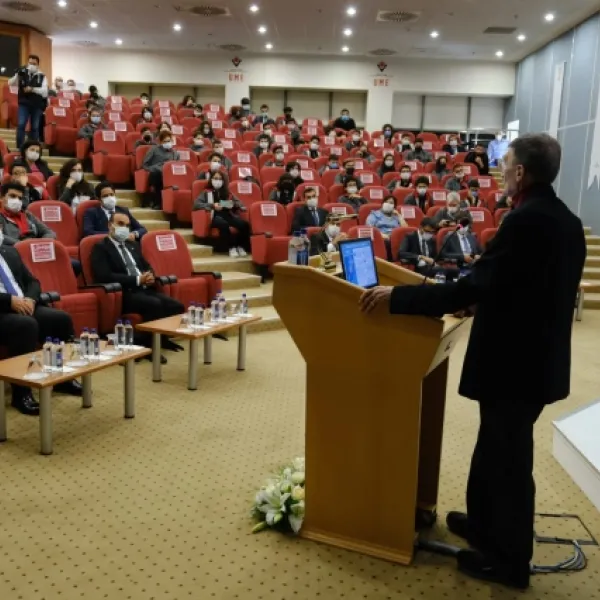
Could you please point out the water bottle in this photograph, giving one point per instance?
(128, 335)
(47, 355)
(84, 343)
(192, 315)
(293, 248)
(214, 309)
(222, 308)
(94, 345)
(200, 315)
(119, 335)
(57, 355)
(303, 249)
(244, 305)
(205, 315)
(440, 277)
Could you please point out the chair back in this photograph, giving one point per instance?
(268, 217)
(59, 217)
(168, 253)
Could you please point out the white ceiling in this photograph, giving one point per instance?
(309, 26)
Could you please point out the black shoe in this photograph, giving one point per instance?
(221, 336)
(458, 524)
(474, 564)
(171, 345)
(163, 360)
(26, 404)
(72, 388)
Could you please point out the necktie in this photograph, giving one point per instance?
(424, 248)
(315, 217)
(6, 282)
(129, 264)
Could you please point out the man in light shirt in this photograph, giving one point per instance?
(497, 149)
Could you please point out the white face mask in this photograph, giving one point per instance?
(14, 205)
(427, 236)
(453, 143)
(267, 132)
(387, 208)
(352, 190)
(463, 231)
(421, 191)
(279, 156)
(389, 163)
(219, 150)
(121, 233)
(199, 141)
(499, 137)
(356, 137)
(333, 231)
(406, 142)
(32, 155)
(167, 145)
(77, 176)
(215, 166)
(109, 202)
(32, 69)
(458, 174)
(314, 146)
(217, 184)
(311, 203)
(264, 144)
(294, 173)
(453, 210)
(405, 176)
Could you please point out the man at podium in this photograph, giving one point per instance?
(523, 312)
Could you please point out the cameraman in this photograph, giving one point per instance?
(33, 94)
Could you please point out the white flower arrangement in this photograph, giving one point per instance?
(280, 503)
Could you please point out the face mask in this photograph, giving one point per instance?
(199, 141)
(453, 210)
(463, 231)
(387, 208)
(215, 166)
(109, 202)
(279, 156)
(264, 113)
(167, 145)
(352, 190)
(421, 191)
(474, 193)
(499, 138)
(32, 68)
(32, 156)
(387, 133)
(333, 165)
(333, 231)
(453, 143)
(356, 138)
(121, 233)
(217, 184)
(245, 124)
(314, 146)
(264, 144)
(350, 170)
(145, 101)
(389, 163)
(246, 106)
(427, 236)
(345, 118)
(14, 204)
(458, 175)
(206, 131)
(405, 176)
(95, 120)
(267, 132)
(294, 173)
(406, 142)
(76, 176)
(311, 203)
(148, 137)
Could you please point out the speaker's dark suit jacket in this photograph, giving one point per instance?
(95, 221)
(29, 285)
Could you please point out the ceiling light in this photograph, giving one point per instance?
(118, 41)
(93, 24)
(434, 34)
(521, 37)
(177, 27)
(62, 3)
(351, 11)
(549, 17)
(253, 8)
(269, 46)
(499, 54)
(345, 49)
(262, 29)
(347, 32)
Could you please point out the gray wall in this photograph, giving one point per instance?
(580, 48)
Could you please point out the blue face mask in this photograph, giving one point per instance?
(345, 117)
(333, 165)
(387, 133)
(95, 120)
(474, 193)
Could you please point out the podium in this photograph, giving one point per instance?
(375, 399)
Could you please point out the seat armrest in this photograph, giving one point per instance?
(166, 279)
(214, 274)
(268, 234)
(49, 297)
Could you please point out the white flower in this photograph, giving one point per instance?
(287, 473)
(296, 516)
(298, 477)
(298, 464)
(298, 493)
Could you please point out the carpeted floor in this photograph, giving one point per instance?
(157, 507)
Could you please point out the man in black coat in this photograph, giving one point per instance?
(116, 259)
(523, 319)
(328, 239)
(309, 215)
(462, 247)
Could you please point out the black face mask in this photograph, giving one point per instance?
(418, 148)
(350, 170)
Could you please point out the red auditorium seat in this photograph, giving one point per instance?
(401, 194)
(396, 238)
(187, 156)
(305, 162)
(10, 105)
(498, 215)
(343, 209)
(49, 262)
(413, 215)
(178, 178)
(168, 254)
(486, 182)
(268, 174)
(439, 196)
(60, 133)
(328, 177)
(322, 195)
(270, 238)
(482, 219)
(487, 235)
(59, 217)
(491, 198)
(243, 172)
(374, 193)
(242, 158)
(124, 127)
(110, 159)
(365, 210)
(246, 192)
(374, 234)
(368, 178)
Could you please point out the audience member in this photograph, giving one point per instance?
(226, 209)
(348, 173)
(147, 115)
(198, 144)
(264, 141)
(453, 146)
(354, 141)
(405, 145)
(452, 213)
(387, 166)
(351, 195)
(268, 131)
(198, 111)
(279, 158)
(419, 153)
(294, 132)
(219, 149)
(246, 107)
(328, 239)
(479, 158)
(207, 131)
(474, 198)
(245, 126)
(420, 197)
(72, 188)
(94, 124)
(504, 202)
(236, 114)
(58, 86)
(388, 132)
(145, 99)
(215, 161)
(146, 139)
(154, 161)
(263, 117)
(313, 150)
(405, 180)
(459, 181)
(441, 167)
(309, 214)
(98, 100)
(364, 153)
(97, 218)
(345, 121)
(332, 164)
(497, 149)
(386, 219)
(284, 191)
(31, 152)
(188, 102)
(293, 168)
(18, 174)
(461, 247)
(288, 115)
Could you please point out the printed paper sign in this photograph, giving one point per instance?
(376, 194)
(217, 124)
(165, 112)
(177, 129)
(231, 134)
(339, 210)
(408, 212)
(365, 232)
(228, 144)
(211, 116)
(439, 196)
(379, 143)
(485, 183)
(245, 172)
(427, 145)
(51, 214)
(244, 187)
(279, 139)
(366, 178)
(109, 136)
(168, 120)
(64, 103)
(268, 209)
(438, 154)
(478, 216)
(184, 154)
(285, 148)
(59, 112)
(164, 104)
(178, 169)
(14, 89)
(114, 116)
(412, 164)
(359, 165)
(174, 140)
(311, 130)
(307, 175)
(121, 126)
(467, 169)
(312, 122)
(42, 252)
(68, 95)
(328, 141)
(214, 107)
(116, 106)
(336, 150)
(303, 163)
(116, 99)
(242, 157)
(166, 242)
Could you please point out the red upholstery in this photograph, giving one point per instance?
(498, 215)
(178, 178)
(413, 215)
(487, 235)
(60, 132)
(374, 193)
(491, 198)
(52, 186)
(241, 172)
(335, 191)
(396, 238)
(482, 219)
(59, 217)
(243, 159)
(268, 174)
(247, 192)
(365, 210)
(486, 182)
(328, 177)
(368, 177)
(269, 226)
(342, 208)
(9, 109)
(168, 254)
(49, 262)
(439, 196)
(110, 159)
(370, 232)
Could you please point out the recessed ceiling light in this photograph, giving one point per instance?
(253, 8)
(434, 34)
(345, 49)
(351, 11)
(347, 32)
(269, 46)
(549, 17)
(499, 54)
(62, 3)
(521, 37)
(177, 27)
(118, 41)
(93, 24)
(262, 29)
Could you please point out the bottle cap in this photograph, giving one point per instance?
(119, 321)
(56, 340)
(85, 330)
(93, 331)
(128, 322)
(48, 339)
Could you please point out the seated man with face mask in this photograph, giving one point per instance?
(94, 124)
(116, 259)
(264, 141)
(354, 142)
(96, 219)
(351, 195)
(328, 238)
(279, 158)
(462, 247)
(459, 181)
(419, 153)
(218, 148)
(348, 173)
(18, 174)
(310, 214)
(332, 163)
(284, 191)
(421, 196)
(147, 138)
(452, 213)
(215, 163)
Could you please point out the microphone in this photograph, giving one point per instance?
(437, 257)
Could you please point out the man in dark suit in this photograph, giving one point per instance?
(523, 314)
(95, 220)
(24, 323)
(462, 246)
(116, 259)
(328, 238)
(309, 215)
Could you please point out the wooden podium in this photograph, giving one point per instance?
(375, 399)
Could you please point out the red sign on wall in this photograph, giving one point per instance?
(236, 77)
(381, 82)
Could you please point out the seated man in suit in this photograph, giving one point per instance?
(462, 247)
(96, 219)
(309, 215)
(328, 238)
(23, 322)
(116, 259)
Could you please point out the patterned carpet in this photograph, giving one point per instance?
(157, 507)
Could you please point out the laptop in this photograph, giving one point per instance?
(358, 262)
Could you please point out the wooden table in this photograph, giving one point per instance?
(14, 370)
(171, 326)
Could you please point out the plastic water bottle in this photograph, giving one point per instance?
(304, 235)
(293, 248)
(214, 310)
(84, 343)
(303, 251)
(47, 355)
(192, 315)
(199, 315)
(128, 335)
(57, 355)
(222, 308)
(119, 335)
(94, 345)
(440, 277)
(244, 305)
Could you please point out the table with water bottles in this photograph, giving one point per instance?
(59, 362)
(201, 323)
